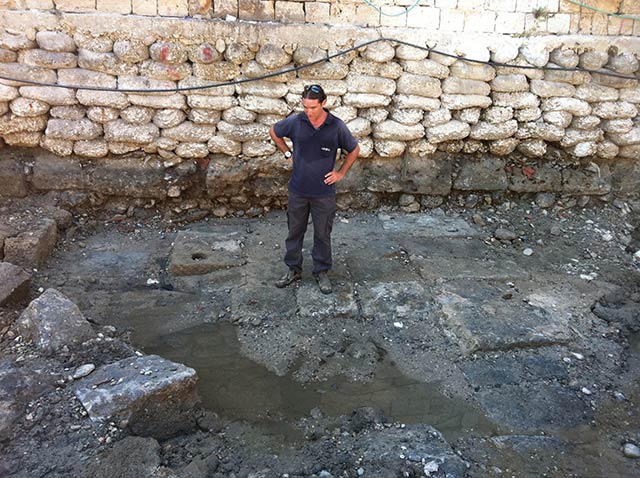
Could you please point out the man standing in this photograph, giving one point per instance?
(316, 135)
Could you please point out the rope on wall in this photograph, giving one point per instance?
(313, 63)
(379, 9)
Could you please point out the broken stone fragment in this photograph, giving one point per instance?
(153, 394)
(14, 283)
(52, 321)
(32, 247)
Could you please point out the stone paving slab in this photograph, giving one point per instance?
(253, 301)
(483, 320)
(429, 225)
(396, 302)
(534, 408)
(151, 392)
(196, 253)
(14, 283)
(313, 303)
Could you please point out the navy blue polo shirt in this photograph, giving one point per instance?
(314, 151)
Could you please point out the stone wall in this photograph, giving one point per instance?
(500, 16)
(428, 124)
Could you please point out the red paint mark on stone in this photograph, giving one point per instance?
(203, 163)
(164, 53)
(173, 73)
(207, 54)
(528, 171)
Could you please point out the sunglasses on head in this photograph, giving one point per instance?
(314, 88)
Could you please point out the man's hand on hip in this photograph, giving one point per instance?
(333, 177)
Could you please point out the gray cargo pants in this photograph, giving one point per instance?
(323, 211)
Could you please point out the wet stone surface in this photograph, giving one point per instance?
(475, 359)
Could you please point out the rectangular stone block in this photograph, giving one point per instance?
(127, 177)
(153, 394)
(75, 5)
(51, 172)
(14, 283)
(12, 179)
(593, 179)
(144, 7)
(510, 22)
(30, 249)
(320, 12)
(535, 178)
(486, 174)
(114, 6)
(173, 8)
(427, 175)
(222, 8)
(256, 10)
(424, 17)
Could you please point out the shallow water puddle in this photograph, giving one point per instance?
(238, 388)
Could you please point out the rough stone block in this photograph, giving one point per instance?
(50, 94)
(73, 130)
(592, 179)
(396, 131)
(615, 110)
(15, 41)
(52, 321)
(427, 175)
(121, 131)
(487, 174)
(190, 132)
(14, 282)
(547, 89)
(459, 102)
(472, 71)
(10, 123)
(261, 105)
(516, 100)
(12, 179)
(55, 41)
(105, 62)
(451, 130)
(492, 131)
(457, 85)
(108, 99)
(245, 132)
(324, 71)
(19, 71)
(28, 107)
(8, 93)
(418, 102)
(152, 394)
(48, 59)
(410, 84)
(30, 249)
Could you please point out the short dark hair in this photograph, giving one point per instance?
(314, 92)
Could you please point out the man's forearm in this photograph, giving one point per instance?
(349, 159)
(279, 142)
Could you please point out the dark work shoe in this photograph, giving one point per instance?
(324, 283)
(290, 277)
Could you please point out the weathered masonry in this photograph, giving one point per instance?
(177, 110)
